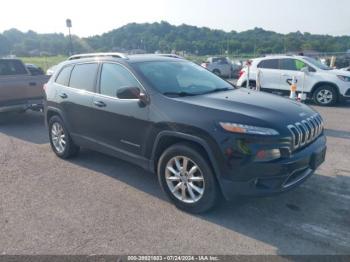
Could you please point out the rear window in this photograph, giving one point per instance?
(12, 67)
(84, 77)
(63, 76)
(269, 64)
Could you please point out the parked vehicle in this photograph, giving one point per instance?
(51, 70)
(34, 70)
(346, 68)
(220, 66)
(324, 85)
(201, 135)
(19, 89)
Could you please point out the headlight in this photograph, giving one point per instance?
(344, 78)
(245, 129)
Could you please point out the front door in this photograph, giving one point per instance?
(290, 68)
(120, 124)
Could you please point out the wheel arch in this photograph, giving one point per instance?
(323, 83)
(165, 139)
(52, 111)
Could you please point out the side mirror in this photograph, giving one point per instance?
(132, 93)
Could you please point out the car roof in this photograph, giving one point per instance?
(130, 59)
(279, 57)
(84, 58)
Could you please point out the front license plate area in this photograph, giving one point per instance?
(317, 159)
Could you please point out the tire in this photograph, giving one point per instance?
(217, 72)
(201, 180)
(57, 130)
(325, 95)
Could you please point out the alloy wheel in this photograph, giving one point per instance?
(324, 96)
(184, 179)
(58, 137)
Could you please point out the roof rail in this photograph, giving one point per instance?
(170, 55)
(89, 55)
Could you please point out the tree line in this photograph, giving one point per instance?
(165, 38)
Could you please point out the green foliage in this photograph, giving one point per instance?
(165, 38)
(43, 61)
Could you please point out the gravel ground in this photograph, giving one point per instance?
(95, 204)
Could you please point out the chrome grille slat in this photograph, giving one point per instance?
(306, 131)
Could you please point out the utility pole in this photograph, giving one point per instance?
(69, 25)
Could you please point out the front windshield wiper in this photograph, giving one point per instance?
(179, 94)
(217, 90)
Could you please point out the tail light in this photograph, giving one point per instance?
(45, 87)
(240, 73)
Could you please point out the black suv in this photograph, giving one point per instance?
(202, 136)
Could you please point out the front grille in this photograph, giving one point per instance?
(306, 131)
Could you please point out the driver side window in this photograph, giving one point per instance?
(114, 77)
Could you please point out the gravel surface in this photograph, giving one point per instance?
(96, 204)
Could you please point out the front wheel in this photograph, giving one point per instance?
(325, 95)
(187, 179)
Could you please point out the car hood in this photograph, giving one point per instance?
(339, 72)
(255, 107)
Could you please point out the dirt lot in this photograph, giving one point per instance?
(96, 204)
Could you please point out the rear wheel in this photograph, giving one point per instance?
(187, 179)
(60, 140)
(325, 95)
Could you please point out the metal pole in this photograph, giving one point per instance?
(70, 42)
(248, 74)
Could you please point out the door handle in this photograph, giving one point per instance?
(63, 95)
(286, 75)
(32, 83)
(99, 104)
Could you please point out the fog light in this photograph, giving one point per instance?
(265, 155)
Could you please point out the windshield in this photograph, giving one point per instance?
(181, 78)
(317, 63)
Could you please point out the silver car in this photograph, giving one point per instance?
(220, 66)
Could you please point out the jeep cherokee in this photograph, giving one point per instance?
(202, 136)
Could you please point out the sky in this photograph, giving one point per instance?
(97, 17)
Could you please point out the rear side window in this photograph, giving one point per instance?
(269, 64)
(63, 76)
(84, 77)
(114, 77)
(12, 67)
(292, 64)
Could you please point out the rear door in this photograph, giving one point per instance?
(121, 124)
(75, 100)
(14, 82)
(269, 74)
(290, 68)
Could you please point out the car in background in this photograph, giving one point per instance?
(201, 135)
(51, 70)
(324, 85)
(19, 88)
(346, 68)
(34, 69)
(221, 66)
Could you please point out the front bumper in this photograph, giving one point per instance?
(277, 176)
